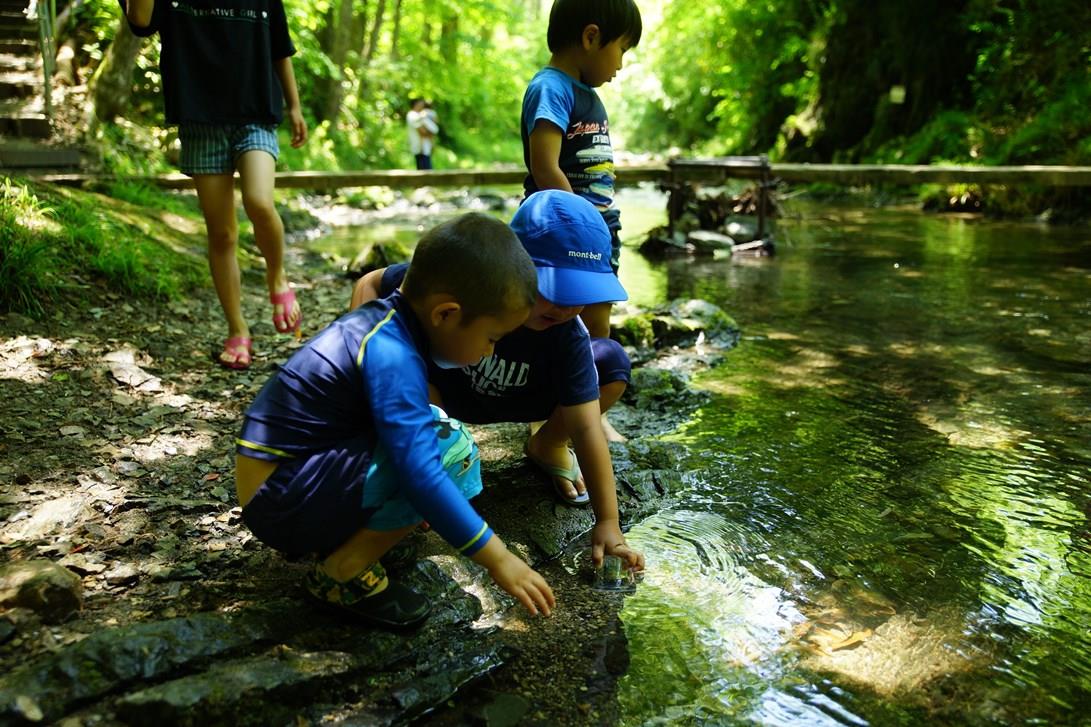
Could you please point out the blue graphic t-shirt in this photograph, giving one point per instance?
(527, 376)
(587, 157)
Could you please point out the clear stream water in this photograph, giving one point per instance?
(888, 517)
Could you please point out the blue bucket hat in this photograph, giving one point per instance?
(569, 243)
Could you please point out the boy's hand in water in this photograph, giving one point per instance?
(516, 577)
(526, 584)
(606, 539)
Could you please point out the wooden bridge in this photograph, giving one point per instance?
(706, 171)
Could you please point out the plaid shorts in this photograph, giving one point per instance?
(214, 148)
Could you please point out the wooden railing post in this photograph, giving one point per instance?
(46, 11)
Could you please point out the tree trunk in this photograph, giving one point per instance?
(338, 36)
(448, 38)
(396, 29)
(111, 85)
(376, 27)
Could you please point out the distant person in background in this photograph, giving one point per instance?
(566, 134)
(227, 77)
(422, 128)
(429, 131)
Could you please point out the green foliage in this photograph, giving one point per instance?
(26, 257)
(997, 82)
(50, 235)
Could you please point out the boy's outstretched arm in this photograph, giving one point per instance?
(139, 12)
(516, 577)
(545, 156)
(585, 428)
(286, 75)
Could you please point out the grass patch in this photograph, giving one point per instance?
(52, 236)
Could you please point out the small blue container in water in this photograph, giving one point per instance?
(613, 577)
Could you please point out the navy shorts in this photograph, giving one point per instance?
(215, 148)
(314, 504)
(611, 361)
(612, 217)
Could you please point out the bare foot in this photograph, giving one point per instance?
(612, 435)
(560, 465)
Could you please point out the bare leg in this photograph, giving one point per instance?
(216, 193)
(360, 551)
(549, 439)
(608, 396)
(597, 319)
(257, 170)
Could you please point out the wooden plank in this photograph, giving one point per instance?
(688, 170)
(394, 178)
(863, 174)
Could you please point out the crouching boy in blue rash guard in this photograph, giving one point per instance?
(550, 369)
(340, 454)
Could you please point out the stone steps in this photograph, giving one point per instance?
(17, 25)
(37, 160)
(19, 84)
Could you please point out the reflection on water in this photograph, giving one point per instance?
(890, 516)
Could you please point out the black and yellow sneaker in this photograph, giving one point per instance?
(370, 597)
(401, 556)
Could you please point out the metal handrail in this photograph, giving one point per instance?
(46, 13)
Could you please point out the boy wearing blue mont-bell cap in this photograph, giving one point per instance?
(550, 368)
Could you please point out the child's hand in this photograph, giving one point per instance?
(526, 584)
(299, 127)
(606, 539)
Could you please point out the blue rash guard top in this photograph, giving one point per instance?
(527, 376)
(587, 157)
(363, 376)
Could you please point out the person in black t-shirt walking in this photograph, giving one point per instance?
(227, 77)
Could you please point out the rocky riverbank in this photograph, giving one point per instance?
(131, 592)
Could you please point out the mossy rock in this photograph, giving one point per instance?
(634, 330)
(380, 255)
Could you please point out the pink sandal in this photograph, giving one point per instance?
(240, 348)
(285, 299)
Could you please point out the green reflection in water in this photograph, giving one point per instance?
(900, 444)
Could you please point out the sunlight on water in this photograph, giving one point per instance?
(891, 518)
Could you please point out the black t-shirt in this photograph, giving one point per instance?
(529, 374)
(216, 57)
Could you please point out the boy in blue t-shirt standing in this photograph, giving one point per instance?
(340, 455)
(565, 131)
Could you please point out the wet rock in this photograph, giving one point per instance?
(655, 390)
(684, 322)
(228, 692)
(662, 243)
(110, 658)
(50, 590)
(707, 242)
(741, 229)
(700, 316)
